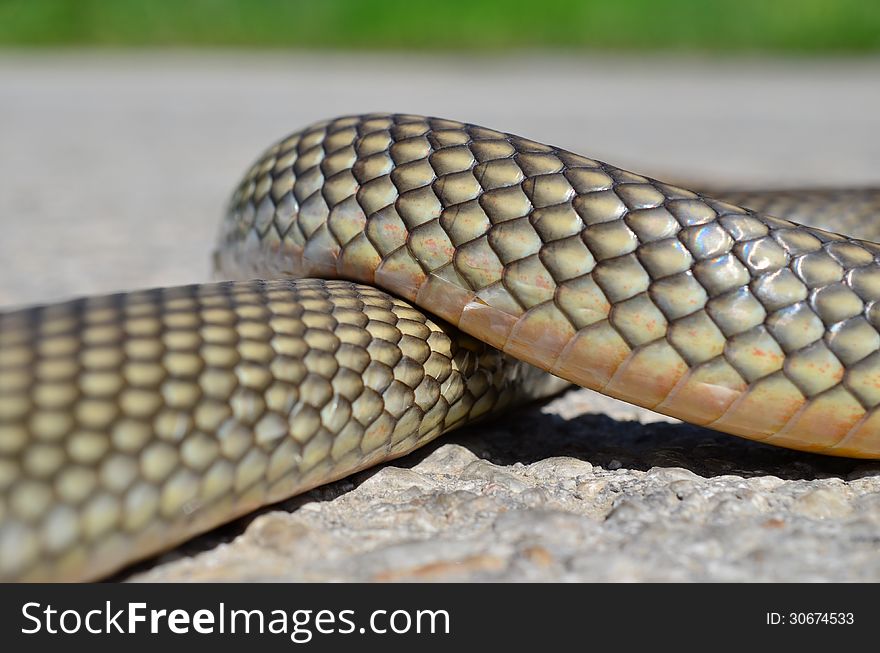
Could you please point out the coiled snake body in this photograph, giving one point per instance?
(131, 422)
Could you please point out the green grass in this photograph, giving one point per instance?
(806, 26)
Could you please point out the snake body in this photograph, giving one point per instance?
(131, 422)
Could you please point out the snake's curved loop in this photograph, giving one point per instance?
(129, 423)
(690, 306)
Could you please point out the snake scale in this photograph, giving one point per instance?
(131, 422)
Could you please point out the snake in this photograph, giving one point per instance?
(384, 278)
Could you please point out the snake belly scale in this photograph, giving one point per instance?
(131, 422)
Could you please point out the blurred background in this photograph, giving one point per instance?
(124, 124)
(723, 26)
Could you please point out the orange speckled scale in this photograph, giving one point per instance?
(493, 325)
(592, 356)
(821, 423)
(649, 375)
(542, 333)
(705, 393)
(860, 437)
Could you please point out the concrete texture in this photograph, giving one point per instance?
(114, 168)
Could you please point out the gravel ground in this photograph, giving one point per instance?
(114, 168)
